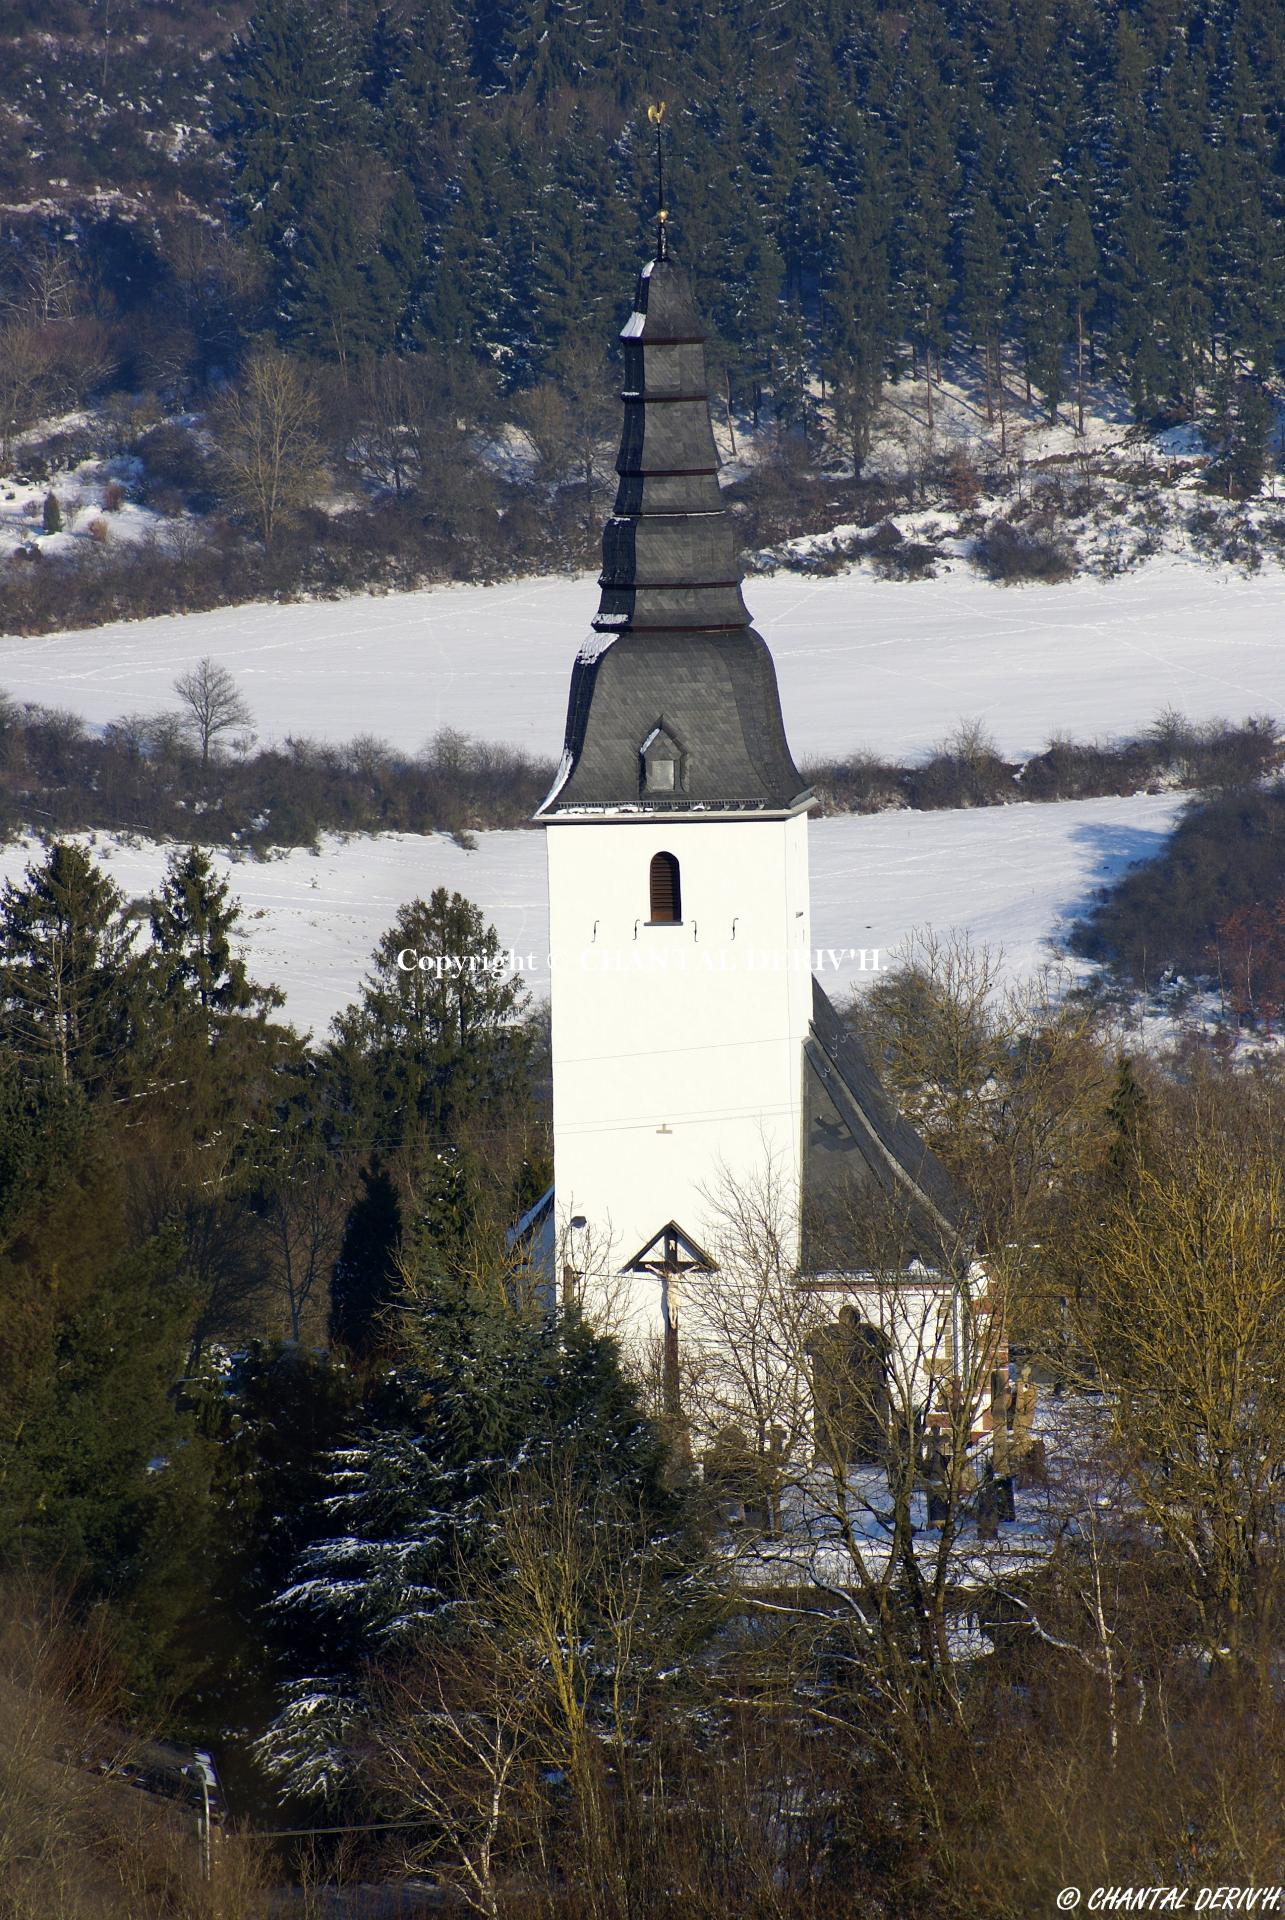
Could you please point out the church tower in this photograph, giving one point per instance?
(679, 924)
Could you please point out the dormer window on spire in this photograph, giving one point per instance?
(662, 763)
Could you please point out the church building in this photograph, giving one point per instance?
(694, 1054)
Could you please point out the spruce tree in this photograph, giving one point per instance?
(577, 281)
(420, 90)
(478, 1397)
(1238, 422)
(194, 921)
(365, 1279)
(427, 1045)
(329, 305)
(1042, 295)
(102, 1478)
(470, 300)
(795, 403)
(1082, 278)
(855, 323)
(985, 281)
(397, 272)
(926, 175)
(68, 973)
(294, 108)
(1128, 1123)
(1134, 280)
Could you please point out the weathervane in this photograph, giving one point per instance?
(656, 115)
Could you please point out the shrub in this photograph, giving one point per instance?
(98, 530)
(966, 770)
(176, 465)
(961, 481)
(910, 560)
(142, 774)
(1072, 770)
(1012, 554)
(113, 496)
(861, 784)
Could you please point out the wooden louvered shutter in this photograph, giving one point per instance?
(666, 904)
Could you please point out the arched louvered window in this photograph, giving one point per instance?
(666, 898)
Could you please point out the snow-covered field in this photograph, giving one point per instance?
(886, 666)
(1010, 877)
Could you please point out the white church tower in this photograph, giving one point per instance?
(677, 843)
(694, 1056)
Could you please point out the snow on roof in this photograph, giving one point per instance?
(560, 779)
(596, 645)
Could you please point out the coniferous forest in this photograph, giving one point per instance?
(408, 230)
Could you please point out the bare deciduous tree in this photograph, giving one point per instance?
(214, 703)
(1006, 1083)
(267, 433)
(570, 425)
(452, 1739)
(302, 1224)
(25, 370)
(1173, 1310)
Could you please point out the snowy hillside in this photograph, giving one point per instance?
(1010, 877)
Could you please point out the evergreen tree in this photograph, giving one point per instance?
(420, 90)
(1081, 275)
(1237, 425)
(397, 273)
(1042, 295)
(1133, 191)
(855, 317)
(796, 405)
(1128, 1124)
(329, 305)
(577, 279)
(479, 1396)
(426, 1045)
(51, 513)
(101, 1475)
(294, 111)
(472, 292)
(1243, 143)
(68, 974)
(926, 175)
(984, 286)
(194, 920)
(366, 1278)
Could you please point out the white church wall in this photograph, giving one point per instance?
(677, 1049)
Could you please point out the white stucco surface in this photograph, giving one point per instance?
(677, 1049)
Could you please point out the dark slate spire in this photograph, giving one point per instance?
(674, 673)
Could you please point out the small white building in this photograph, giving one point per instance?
(695, 1058)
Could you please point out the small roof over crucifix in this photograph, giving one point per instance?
(670, 1251)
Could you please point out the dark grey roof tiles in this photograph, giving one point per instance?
(664, 310)
(681, 650)
(862, 1158)
(715, 692)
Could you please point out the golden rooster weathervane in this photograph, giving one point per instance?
(656, 114)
